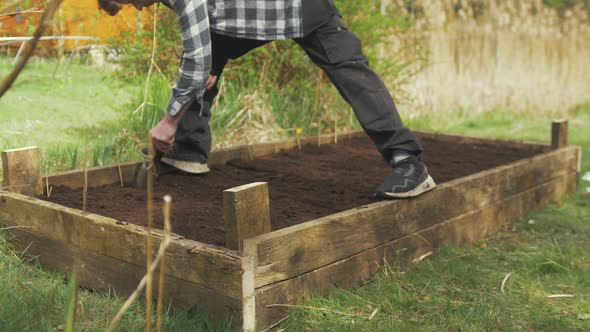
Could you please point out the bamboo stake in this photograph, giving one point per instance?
(319, 134)
(250, 153)
(150, 184)
(148, 250)
(85, 186)
(120, 170)
(167, 230)
(335, 129)
(350, 125)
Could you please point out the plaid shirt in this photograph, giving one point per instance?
(250, 19)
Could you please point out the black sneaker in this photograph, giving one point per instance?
(408, 178)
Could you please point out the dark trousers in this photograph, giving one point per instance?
(338, 52)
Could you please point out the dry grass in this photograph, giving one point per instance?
(484, 55)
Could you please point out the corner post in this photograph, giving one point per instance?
(246, 211)
(22, 171)
(559, 134)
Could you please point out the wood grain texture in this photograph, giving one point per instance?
(559, 134)
(103, 273)
(22, 170)
(295, 250)
(535, 147)
(209, 266)
(97, 176)
(246, 212)
(352, 271)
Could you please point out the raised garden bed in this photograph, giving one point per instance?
(326, 230)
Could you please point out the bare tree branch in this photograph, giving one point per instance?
(9, 6)
(50, 9)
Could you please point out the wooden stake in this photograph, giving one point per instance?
(350, 125)
(148, 250)
(22, 171)
(85, 189)
(559, 133)
(246, 213)
(250, 153)
(160, 305)
(335, 129)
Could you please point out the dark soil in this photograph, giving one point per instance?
(304, 185)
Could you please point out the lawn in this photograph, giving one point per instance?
(503, 283)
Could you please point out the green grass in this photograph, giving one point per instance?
(74, 106)
(34, 300)
(70, 112)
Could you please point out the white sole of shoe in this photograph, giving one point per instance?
(423, 187)
(191, 167)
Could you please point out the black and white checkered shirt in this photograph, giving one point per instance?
(250, 19)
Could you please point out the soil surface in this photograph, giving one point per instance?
(304, 185)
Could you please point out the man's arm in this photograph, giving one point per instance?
(194, 68)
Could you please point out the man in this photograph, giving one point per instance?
(214, 31)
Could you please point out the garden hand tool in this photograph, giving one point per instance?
(148, 165)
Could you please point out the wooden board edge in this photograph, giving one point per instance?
(535, 146)
(220, 268)
(354, 270)
(103, 273)
(125, 172)
(270, 270)
(97, 176)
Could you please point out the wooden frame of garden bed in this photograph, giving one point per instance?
(289, 265)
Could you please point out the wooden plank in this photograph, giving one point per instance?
(209, 266)
(107, 175)
(463, 139)
(97, 176)
(103, 273)
(559, 134)
(352, 271)
(246, 211)
(22, 170)
(295, 250)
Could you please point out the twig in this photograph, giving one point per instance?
(120, 172)
(150, 184)
(11, 227)
(504, 282)
(85, 187)
(148, 249)
(277, 323)
(167, 230)
(560, 296)
(335, 129)
(374, 313)
(317, 309)
(10, 5)
(421, 258)
(22, 61)
(47, 188)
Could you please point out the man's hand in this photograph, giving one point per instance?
(211, 82)
(163, 133)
